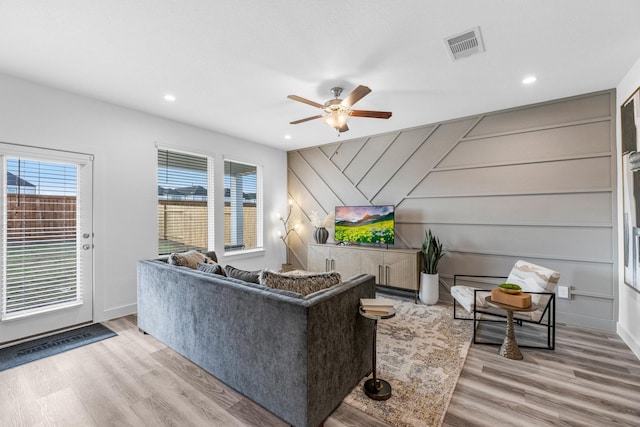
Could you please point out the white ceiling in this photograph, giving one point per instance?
(232, 63)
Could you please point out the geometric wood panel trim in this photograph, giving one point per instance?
(534, 182)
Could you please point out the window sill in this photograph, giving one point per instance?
(249, 253)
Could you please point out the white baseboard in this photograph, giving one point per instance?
(116, 312)
(586, 322)
(633, 344)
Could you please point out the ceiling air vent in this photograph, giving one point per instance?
(464, 44)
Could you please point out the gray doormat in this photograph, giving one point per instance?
(40, 348)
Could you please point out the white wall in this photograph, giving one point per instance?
(123, 142)
(629, 300)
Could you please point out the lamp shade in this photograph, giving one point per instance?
(336, 119)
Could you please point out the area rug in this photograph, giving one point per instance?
(30, 351)
(420, 352)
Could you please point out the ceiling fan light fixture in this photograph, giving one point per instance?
(336, 119)
(337, 111)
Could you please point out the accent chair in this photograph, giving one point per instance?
(536, 280)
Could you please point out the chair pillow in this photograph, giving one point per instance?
(533, 278)
(211, 268)
(247, 276)
(303, 284)
(188, 259)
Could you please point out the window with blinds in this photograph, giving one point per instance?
(40, 245)
(242, 206)
(184, 213)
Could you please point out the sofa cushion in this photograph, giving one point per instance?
(303, 284)
(247, 276)
(188, 259)
(211, 268)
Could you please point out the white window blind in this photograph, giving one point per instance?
(39, 240)
(183, 208)
(242, 206)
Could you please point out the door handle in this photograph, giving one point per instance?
(326, 264)
(333, 264)
(387, 269)
(380, 274)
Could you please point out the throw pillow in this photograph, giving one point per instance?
(247, 276)
(188, 259)
(211, 268)
(304, 284)
(212, 255)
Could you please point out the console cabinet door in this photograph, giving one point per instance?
(400, 270)
(345, 261)
(372, 262)
(318, 258)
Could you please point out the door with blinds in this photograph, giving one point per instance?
(46, 243)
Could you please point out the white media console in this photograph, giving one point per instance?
(395, 268)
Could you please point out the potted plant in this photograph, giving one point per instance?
(432, 252)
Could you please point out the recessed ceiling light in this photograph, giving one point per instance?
(287, 136)
(529, 79)
(169, 98)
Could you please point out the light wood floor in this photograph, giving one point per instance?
(592, 379)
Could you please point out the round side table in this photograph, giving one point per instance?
(375, 388)
(509, 347)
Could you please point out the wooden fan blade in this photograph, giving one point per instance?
(372, 114)
(355, 96)
(306, 120)
(344, 128)
(305, 101)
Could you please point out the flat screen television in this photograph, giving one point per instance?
(365, 224)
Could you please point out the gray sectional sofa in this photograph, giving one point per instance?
(296, 356)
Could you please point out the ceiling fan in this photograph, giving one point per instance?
(338, 110)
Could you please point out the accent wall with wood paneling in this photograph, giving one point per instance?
(535, 183)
